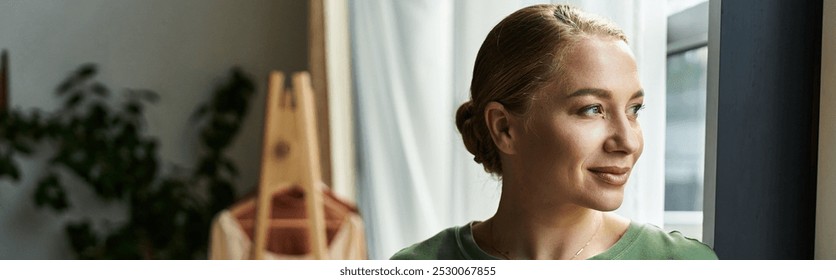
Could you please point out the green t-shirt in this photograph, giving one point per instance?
(640, 242)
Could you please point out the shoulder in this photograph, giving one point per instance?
(442, 246)
(660, 244)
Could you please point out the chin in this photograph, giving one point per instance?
(608, 202)
(610, 207)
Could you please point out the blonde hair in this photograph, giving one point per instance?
(519, 56)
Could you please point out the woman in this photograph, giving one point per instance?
(555, 98)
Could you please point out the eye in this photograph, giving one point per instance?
(634, 110)
(592, 110)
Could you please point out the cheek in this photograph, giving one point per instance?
(582, 141)
(640, 136)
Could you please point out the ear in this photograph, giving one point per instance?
(499, 123)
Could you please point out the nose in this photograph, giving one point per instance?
(625, 135)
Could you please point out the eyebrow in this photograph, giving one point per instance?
(601, 93)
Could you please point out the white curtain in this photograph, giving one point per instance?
(412, 65)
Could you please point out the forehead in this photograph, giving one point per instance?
(598, 63)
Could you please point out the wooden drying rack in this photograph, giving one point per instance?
(290, 156)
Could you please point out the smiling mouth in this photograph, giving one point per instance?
(616, 176)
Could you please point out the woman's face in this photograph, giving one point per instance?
(583, 138)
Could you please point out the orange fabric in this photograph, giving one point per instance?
(232, 230)
(229, 241)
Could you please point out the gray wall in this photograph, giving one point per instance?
(179, 49)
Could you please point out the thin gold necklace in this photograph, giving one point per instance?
(598, 228)
(590, 239)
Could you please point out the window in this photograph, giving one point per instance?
(685, 116)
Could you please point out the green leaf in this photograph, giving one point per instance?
(9, 168)
(230, 167)
(86, 71)
(50, 193)
(82, 239)
(222, 194)
(75, 98)
(133, 108)
(100, 90)
(65, 86)
(125, 244)
(22, 147)
(199, 113)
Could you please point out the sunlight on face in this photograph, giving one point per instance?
(583, 136)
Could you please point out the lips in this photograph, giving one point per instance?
(612, 175)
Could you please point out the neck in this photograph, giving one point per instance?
(532, 228)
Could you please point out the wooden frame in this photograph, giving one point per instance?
(290, 156)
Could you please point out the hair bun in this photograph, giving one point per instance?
(471, 134)
(464, 114)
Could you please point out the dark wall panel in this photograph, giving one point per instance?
(767, 129)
